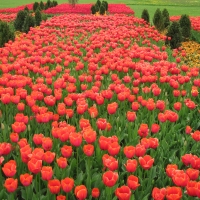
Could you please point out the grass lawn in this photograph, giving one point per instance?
(175, 7)
(173, 10)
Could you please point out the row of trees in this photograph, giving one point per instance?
(41, 6)
(176, 31)
(100, 7)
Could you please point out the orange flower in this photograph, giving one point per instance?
(11, 184)
(129, 151)
(35, 165)
(62, 162)
(46, 173)
(66, 151)
(88, 149)
(146, 162)
(131, 165)
(54, 186)
(110, 178)
(173, 193)
(132, 182)
(93, 111)
(80, 192)
(26, 179)
(95, 192)
(158, 194)
(9, 168)
(67, 184)
(123, 193)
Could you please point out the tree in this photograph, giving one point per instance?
(38, 17)
(166, 19)
(185, 25)
(19, 21)
(158, 20)
(174, 36)
(73, 2)
(28, 22)
(145, 15)
(5, 33)
(41, 5)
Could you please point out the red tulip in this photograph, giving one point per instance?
(75, 139)
(62, 162)
(34, 165)
(54, 186)
(146, 162)
(46, 173)
(67, 184)
(95, 192)
(173, 193)
(180, 178)
(129, 151)
(132, 182)
(112, 108)
(9, 168)
(131, 116)
(170, 169)
(88, 149)
(123, 193)
(89, 135)
(80, 192)
(131, 165)
(113, 148)
(26, 179)
(49, 156)
(110, 178)
(11, 184)
(101, 123)
(192, 173)
(158, 194)
(66, 151)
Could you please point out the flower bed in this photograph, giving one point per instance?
(16, 9)
(86, 9)
(7, 17)
(95, 107)
(195, 21)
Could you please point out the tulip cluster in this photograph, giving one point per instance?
(86, 9)
(195, 21)
(97, 108)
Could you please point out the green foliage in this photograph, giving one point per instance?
(158, 20)
(195, 36)
(19, 21)
(166, 19)
(73, 2)
(55, 3)
(26, 9)
(5, 33)
(28, 22)
(185, 25)
(102, 10)
(41, 5)
(96, 7)
(98, 3)
(93, 9)
(35, 6)
(38, 17)
(174, 33)
(105, 3)
(145, 15)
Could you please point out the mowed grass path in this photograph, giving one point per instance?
(175, 7)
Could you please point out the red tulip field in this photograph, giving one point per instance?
(97, 107)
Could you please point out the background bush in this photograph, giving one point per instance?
(19, 21)
(185, 25)
(174, 32)
(166, 19)
(145, 15)
(6, 33)
(158, 20)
